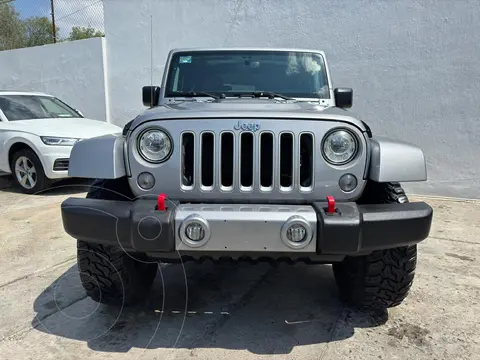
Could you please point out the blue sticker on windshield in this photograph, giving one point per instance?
(185, 59)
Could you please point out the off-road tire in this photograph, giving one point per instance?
(383, 278)
(110, 189)
(108, 274)
(383, 193)
(42, 182)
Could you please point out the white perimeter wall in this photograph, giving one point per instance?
(72, 71)
(414, 65)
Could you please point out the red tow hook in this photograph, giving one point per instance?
(331, 205)
(161, 202)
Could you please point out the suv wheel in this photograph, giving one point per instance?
(27, 170)
(383, 278)
(108, 274)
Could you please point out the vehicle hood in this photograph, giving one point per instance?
(81, 128)
(248, 108)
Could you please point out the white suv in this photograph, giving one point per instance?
(37, 133)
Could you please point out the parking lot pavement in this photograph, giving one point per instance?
(243, 312)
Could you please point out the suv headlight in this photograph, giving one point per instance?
(339, 147)
(154, 145)
(58, 141)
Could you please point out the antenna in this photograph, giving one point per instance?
(151, 56)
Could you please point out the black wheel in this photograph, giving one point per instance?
(27, 170)
(108, 274)
(383, 278)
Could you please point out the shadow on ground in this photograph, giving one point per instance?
(60, 187)
(264, 309)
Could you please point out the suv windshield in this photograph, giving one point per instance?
(28, 107)
(292, 74)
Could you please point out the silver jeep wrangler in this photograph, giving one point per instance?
(247, 155)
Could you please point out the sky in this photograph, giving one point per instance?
(68, 13)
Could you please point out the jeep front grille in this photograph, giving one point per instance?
(247, 161)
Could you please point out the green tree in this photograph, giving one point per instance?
(38, 31)
(80, 33)
(12, 29)
(35, 31)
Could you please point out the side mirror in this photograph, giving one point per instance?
(150, 95)
(343, 97)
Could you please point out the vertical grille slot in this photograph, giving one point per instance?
(286, 160)
(226, 159)
(266, 160)
(246, 159)
(306, 160)
(207, 154)
(188, 159)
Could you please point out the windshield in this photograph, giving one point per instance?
(27, 107)
(292, 74)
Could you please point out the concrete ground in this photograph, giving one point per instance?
(245, 312)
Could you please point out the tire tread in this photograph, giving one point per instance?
(108, 274)
(383, 278)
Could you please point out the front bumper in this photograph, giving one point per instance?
(50, 155)
(353, 229)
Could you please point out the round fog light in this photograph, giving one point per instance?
(348, 182)
(296, 233)
(195, 231)
(146, 181)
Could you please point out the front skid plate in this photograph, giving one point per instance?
(241, 227)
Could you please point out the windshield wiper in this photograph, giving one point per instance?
(199, 93)
(269, 94)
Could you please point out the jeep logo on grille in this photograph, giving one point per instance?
(247, 126)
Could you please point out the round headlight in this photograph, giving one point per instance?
(339, 147)
(154, 145)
